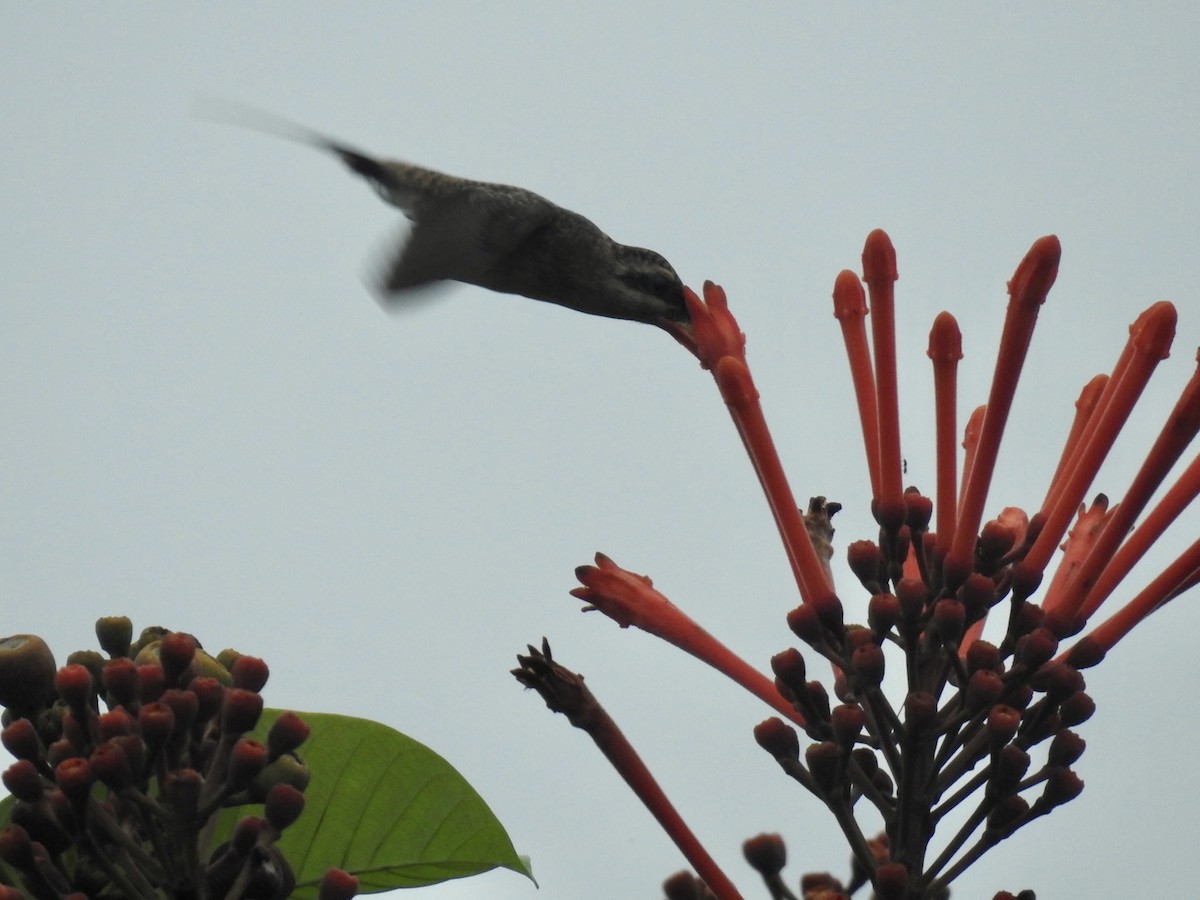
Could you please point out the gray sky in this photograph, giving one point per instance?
(210, 424)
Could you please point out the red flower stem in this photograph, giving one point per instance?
(879, 272)
(1170, 583)
(1177, 433)
(1177, 498)
(1027, 291)
(945, 349)
(850, 309)
(1085, 410)
(737, 389)
(970, 447)
(1148, 345)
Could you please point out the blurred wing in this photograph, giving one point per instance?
(464, 236)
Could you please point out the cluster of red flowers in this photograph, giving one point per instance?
(960, 737)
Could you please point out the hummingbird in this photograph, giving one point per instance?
(496, 236)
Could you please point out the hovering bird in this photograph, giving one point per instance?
(497, 236)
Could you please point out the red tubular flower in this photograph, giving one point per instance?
(945, 349)
(630, 599)
(879, 272)
(850, 309)
(1027, 291)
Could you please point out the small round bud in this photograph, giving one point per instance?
(16, 848)
(949, 618)
(209, 693)
(176, 651)
(20, 738)
(816, 700)
(867, 663)
(847, 721)
(913, 595)
(883, 612)
(1008, 768)
(287, 733)
(246, 833)
(337, 884)
(891, 881)
(806, 624)
(1062, 786)
(983, 655)
(866, 562)
(822, 761)
(287, 769)
(788, 666)
(110, 764)
(26, 673)
(246, 760)
(114, 634)
(249, 673)
(1065, 749)
(977, 594)
(240, 710)
(983, 689)
(120, 679)
(685, 886)
(1035, 648)
(1056, 680)
(1002, 724)
(23, 781)
(1076, 709)
(74, 684)
(777, 738)
(1007, 816)
(156, 721)
(74, 778)
(283, 806)
(766, 853)
(151, 682)
(113, 723)
(918, 510)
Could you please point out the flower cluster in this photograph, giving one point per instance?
(980, 739)
(124, 803)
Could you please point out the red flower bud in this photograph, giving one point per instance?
(1002, 724)
(249, 673)
(209, 694)
(114, 723)
(1076, 709)
(788, 666)
(23, 781)
(20, 738)
(822, 760)
(287, 733)
(883, 612)
(110, 764)
(777, 738)
(337, 884)
(766, 853)
(806, 624)
(74, 685)
(1065, 749)
(151, 682)
(246, 759)
(74, 777)
(867, 663)
(240, 710)
(120, 678)
(283, 806)
(176, 651)
(156, 721)
(891, 881)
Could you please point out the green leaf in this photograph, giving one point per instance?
(387, 809)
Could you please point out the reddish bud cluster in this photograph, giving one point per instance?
(170, 753)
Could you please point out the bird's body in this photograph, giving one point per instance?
(502, 238)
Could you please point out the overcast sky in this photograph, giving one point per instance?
(210, 424)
